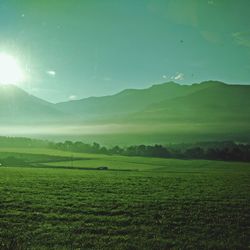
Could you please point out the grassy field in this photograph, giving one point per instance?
(59, 200)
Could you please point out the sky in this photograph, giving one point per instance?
(71, 49)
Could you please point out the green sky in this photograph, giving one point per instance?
(79, 48)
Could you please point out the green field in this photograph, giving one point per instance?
(59, 200)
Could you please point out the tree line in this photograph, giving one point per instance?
(226, 151)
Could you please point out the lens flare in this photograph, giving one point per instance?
(10, 70)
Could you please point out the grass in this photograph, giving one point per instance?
(54, 203)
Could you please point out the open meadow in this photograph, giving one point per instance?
(52, 199)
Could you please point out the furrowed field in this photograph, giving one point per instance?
(59, 200)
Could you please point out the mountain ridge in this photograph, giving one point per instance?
(217, 102)
(166, 103)
(129, 100)
(18, 106)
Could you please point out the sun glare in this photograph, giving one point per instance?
(10, 70)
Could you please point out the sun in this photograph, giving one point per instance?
(10, 70)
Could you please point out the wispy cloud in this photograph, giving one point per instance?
(72, 97)
(51, 73)
(242, 38)
(178, 77)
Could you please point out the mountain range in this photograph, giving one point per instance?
(125, 102)
(211, 103)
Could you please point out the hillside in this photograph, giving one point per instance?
(215, 103)
(126, 102)
(17, 106)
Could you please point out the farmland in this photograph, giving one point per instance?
(52, 199)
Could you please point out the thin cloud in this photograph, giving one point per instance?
(72, 97)
(242, 38)
(51, 72)
(178, 77)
